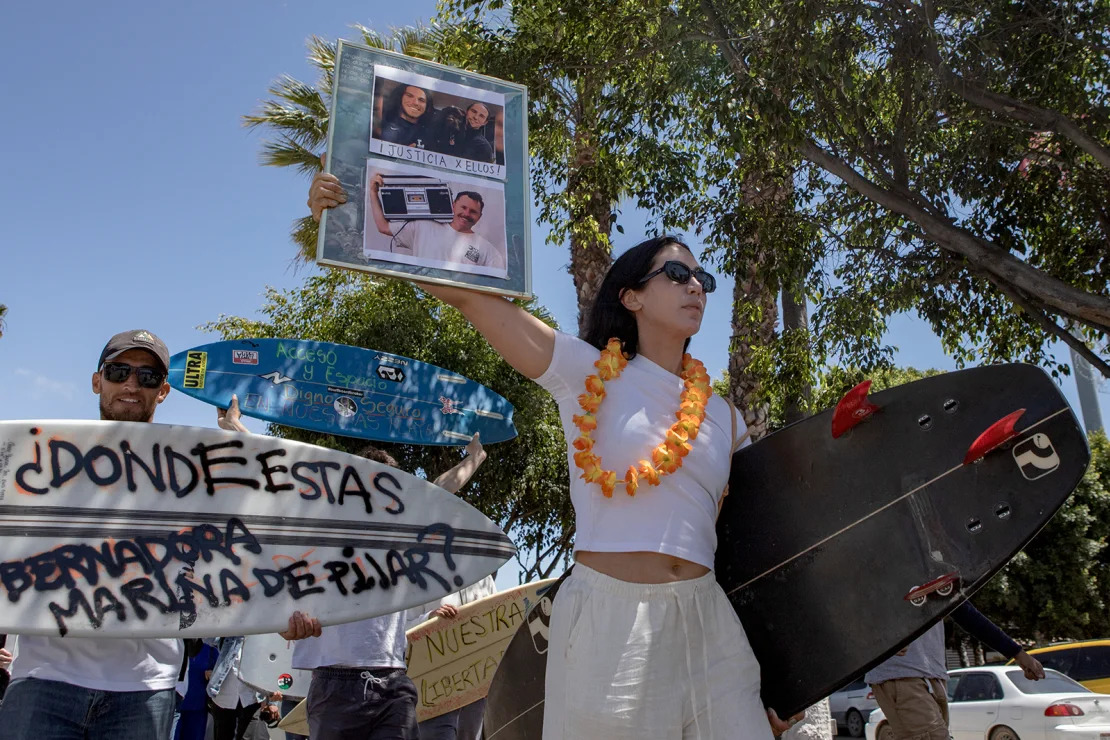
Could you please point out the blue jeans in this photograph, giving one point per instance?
(34, 709)
(464, 723)
(287, 707)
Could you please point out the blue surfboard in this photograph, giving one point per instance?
(337, 389)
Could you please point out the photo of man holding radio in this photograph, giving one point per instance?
(423, 229)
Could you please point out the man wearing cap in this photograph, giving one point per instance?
(101, 689)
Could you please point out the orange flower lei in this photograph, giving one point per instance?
(667, 457)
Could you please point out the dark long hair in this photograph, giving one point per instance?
(608, 317)
(391, 107)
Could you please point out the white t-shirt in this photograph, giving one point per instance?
(234, 692)
(104, 664)
(378, 642)
(678, 516)
(436, 244)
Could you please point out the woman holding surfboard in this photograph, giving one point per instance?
(644, 643)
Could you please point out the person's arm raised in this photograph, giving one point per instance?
(454, 479)
(524, 341)
(230, 418)
(376, 207)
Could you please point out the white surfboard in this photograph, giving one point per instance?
(267, 665)
(122, 529)
(452, 661)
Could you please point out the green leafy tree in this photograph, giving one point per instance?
(3, 314)
(952, 156)
(1058, 587)
(523, 484)
(944, 158)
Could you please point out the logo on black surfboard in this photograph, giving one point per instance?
(1036, 457)
(539, 621)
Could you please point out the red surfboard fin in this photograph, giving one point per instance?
(996, 435)
(852, 409)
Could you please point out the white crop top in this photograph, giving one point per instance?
(678, 516)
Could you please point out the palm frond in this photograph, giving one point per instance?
(301, 94)
(306, 129)
(321, 53)
(412, 41)
(304, 234)
(288, 153)
(372, 38)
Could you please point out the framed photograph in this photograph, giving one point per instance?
(435, 164)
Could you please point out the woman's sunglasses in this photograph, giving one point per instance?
(119, 372)
(680, 273)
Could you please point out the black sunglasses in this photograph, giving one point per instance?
(680, 273)
(119, 372)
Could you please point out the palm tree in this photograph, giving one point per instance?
(3, 313)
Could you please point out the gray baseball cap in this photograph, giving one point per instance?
(135, 339)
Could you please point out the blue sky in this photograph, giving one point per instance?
(132, 195)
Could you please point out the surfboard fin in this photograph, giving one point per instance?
(996, 435)
(942, 586)
(852, 409)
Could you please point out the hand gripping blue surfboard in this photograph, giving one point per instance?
(337, 389)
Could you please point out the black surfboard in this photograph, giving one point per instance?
(890, 514)
(514, 705)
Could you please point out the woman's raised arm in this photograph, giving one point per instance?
(524, 341)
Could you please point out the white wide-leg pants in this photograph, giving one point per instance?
(634, 661)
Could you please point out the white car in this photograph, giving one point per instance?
(851, 706)
(1000, 703)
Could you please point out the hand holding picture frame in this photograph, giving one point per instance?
(434, 162)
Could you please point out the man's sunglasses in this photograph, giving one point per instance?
(119, 372)
(680, 273)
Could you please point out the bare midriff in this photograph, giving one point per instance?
(641, 567)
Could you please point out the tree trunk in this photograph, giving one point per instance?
(795, 318)
(589, 261)
(754, 320)
(754, 308)
(754, 316)
(590, 257)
